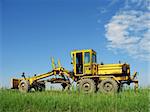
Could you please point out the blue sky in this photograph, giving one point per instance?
(33, 31)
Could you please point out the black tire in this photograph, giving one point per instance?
(87, 86)
(40, 87)
(108, 86)
(24, 86)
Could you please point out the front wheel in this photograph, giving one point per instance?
(87, 86)
(24, 86)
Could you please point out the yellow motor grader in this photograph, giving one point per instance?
(89, 75)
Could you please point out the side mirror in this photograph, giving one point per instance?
(71, 62)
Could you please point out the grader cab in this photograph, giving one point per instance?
(84, 62)
(89, 75)
(105, 78)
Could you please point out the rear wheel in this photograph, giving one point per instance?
(24, 86)
(38, 86)
(87, 86)
(108, 86)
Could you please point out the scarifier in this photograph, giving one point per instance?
(90, 76)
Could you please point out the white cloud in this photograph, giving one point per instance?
(129, 31)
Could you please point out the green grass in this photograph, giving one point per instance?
(52, 101)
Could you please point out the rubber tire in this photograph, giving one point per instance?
(87, 82)
(112, 84)
(39, 87)
(24, 86)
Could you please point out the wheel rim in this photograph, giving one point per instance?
(23, 87)
(108, 87)
(86, 87)
(32, 89)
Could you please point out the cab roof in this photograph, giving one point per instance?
(83, 50)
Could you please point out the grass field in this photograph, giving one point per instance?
(55, 101)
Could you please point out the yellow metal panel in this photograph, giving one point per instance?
(110, 69)
(122, 78)
(87, 69)
(94, 69)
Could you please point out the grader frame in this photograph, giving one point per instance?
(89, 75)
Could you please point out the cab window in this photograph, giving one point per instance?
(93, 58)
(86, 57)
